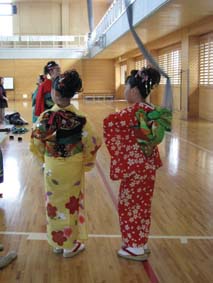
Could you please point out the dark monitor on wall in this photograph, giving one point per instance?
(8, 83)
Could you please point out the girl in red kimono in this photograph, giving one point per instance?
(131, 137)
(43, 98)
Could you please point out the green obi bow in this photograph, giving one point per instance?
(151, 128)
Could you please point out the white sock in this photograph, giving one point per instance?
(57, 248)
(137, 251)
(145, 246)
(67, 251)
(70, 250)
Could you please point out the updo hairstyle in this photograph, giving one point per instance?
(68, 84)
(49, 66)
(145, 80)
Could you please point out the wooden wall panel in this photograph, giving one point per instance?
(38, 18)
(65, 18)
(194, 77)
(68, 64)
(206, 103)
(99, 9)
(52, 18)
(117, 79)
(99, 76)
(78, 17)
(158, 93)
(120, 92)
(26, 73)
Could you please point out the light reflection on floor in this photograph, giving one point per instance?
(173, 156)
(10, 188)
(25, 104)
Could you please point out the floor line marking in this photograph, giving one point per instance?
(41, 236)
(146, 265)
(181, 237)
(184, 240)
(106, 184)
(14, 233)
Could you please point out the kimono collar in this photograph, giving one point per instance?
(68, 108)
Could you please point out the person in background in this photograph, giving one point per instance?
(131, 137)
(43, 97)
(40, 80)
(3, 100)
(63, 138)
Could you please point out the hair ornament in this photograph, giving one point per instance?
(51, 65)
(60, 82)
(142, 74)
(139, 74)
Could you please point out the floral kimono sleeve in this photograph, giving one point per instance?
(92, 143)
(37, 144)
(116, 143)
(37, 147)
(112, 134)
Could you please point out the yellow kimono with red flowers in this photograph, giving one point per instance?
(64, 140)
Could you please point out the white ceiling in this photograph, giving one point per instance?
(174, 15)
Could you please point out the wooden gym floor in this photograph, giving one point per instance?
(181, 237)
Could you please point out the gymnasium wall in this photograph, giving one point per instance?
(98, 75)
(103, 76)
(190, 98)
(52, 18)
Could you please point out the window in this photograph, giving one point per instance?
(170, 62)
(123, 73)
(6, 21)
(140, 63)
(8, 83)
(206, 62)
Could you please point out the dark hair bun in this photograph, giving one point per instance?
(154, 76)
(68, 83)
(144, 79)
(49, 66)
(133, 72)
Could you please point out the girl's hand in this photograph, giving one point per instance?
(5, 98)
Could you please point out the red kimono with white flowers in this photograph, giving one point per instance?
(136, 172)
(43, 94)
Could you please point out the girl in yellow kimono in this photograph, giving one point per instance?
(63, 139)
